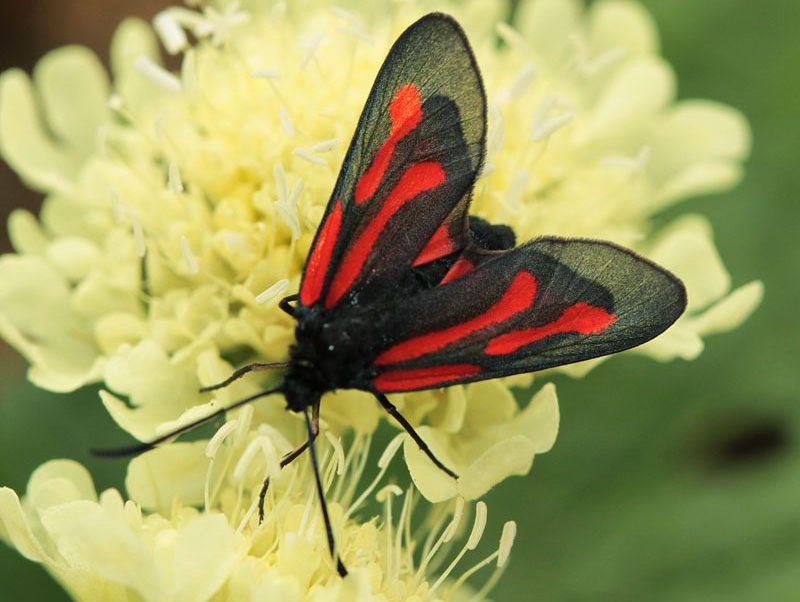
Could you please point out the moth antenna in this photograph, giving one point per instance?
(240, 372)
(284, 304)
(395, 413)
(312, 425)
(134, 450)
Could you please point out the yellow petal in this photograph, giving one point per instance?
(161, 476)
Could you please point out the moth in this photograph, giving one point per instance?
(403, 290)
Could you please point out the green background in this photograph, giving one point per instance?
(668, 482)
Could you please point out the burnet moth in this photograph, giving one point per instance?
(403, 290)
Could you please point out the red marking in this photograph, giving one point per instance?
(461, 267)
(440, 245)
(405, 112)
(416, 180)
(420, 378)
(320, 257)
(581, 318)
(518, 297)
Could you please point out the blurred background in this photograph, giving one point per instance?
(668, 482)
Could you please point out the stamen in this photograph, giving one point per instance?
(336, 443)
(174, 181)
(509, 35)
(357, 34)
(543, 124)
(634, 164)
(522, 82)
(188, 257)
(171, 33)
(478, 527)
(286, 124)
(311, 158)
(383, 464)
(311, 45)
(325, 145)
(267, 73)
(117, 208)
(273, 291)
(213, 445)
(138, 234)
(157, 74)
(446, 536)
(506, 542)
(474, 538)
(593, 66)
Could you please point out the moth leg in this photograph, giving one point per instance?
(391, 409)
(289, 458)
(239, 373)
(312, 427)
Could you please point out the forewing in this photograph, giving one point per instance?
(403, 191)
(546, 303)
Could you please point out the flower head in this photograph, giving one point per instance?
(190, 530)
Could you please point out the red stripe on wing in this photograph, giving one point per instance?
(461, 267)
(320, 257)
(418, 378)
(416, 180)
(581, 318)
(518, 297)
(441, 244)
(405, 112)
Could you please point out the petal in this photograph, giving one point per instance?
(161, 476)
(548, 25)
(732, 311)
(17, 530)
(88, 535)
(432, 483)
(513, 456)
(622, 24)
(58, 482)
(686, 247)
(203, 556)
(351, 409)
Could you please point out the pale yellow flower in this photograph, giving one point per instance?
(190, 532)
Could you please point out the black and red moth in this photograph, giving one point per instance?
(403, 291)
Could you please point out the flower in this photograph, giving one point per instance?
(190, 530)
(180, 205)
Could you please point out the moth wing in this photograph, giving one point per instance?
(403, 192)
(547, 303)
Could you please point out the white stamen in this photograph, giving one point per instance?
(506, 542)
(597, 64)
(634, 164)
(311, 45)
(388, 490)
(188, 257)
(297, 190)
(337, 447)
(213, 445)
(543, 123)
(171, 33)
(310, 157)
(259, 444)
(117, 208)
(512, 200)
(486, 170)
(235, 241)
(115, 103)
(157, 74)
(174, 181)
(286, 123)
(390, 451)
(138, 235)
(346, 15)
(325, 146)
(521, 82)
(509, 35)
(267, 73)
(357, 34)
(281, 186)
(452, 528)
(478, 527)
(287, 211)
(273, 291)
